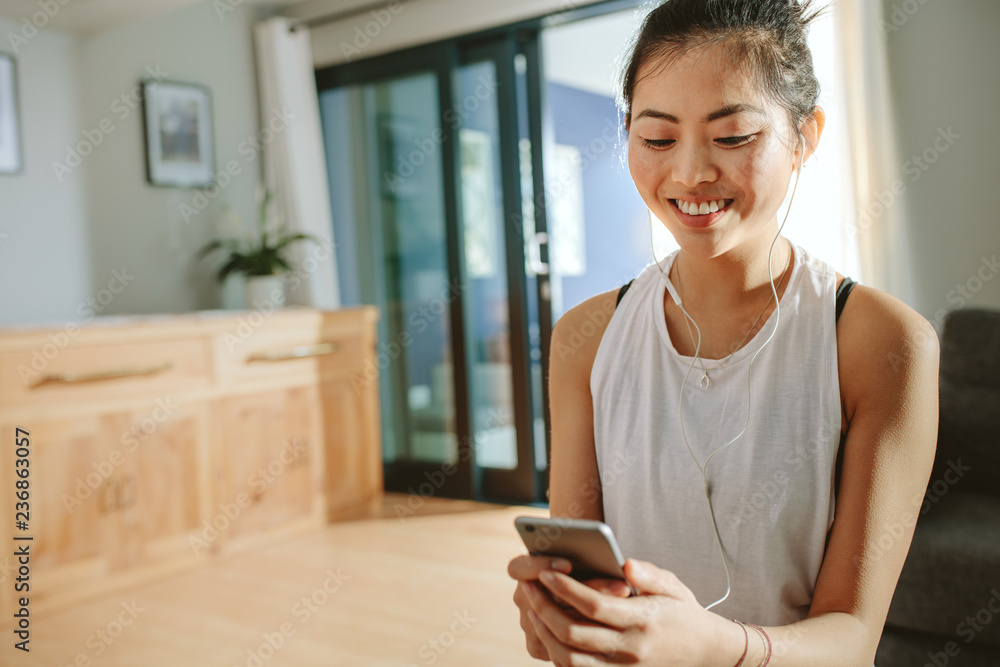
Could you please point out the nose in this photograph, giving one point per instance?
(693, 165)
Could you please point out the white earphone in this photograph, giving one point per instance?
(680, 408)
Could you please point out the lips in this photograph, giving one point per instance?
(700, 221)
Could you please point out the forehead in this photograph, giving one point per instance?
(694, 85)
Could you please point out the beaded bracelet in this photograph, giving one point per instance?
(746, 646)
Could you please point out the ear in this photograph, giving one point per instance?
(810, 132)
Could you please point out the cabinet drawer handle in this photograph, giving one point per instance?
(300, 352)
(128, 491)
(108, 490)
(114, 373)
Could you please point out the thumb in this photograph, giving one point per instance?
(649, 579)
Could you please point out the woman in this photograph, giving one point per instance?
(782, 494)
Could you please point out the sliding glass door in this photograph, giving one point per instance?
(392, 189)
(438, 160)
(424, 178)
(498, 228)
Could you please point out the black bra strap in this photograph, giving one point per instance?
(843, 292)
(622, 291)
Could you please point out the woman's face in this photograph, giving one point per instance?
(681, 150)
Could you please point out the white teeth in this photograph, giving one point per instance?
(701, 209)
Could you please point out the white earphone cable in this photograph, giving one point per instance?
(680, 407)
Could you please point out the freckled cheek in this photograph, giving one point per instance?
(745, 170)
(646, 170)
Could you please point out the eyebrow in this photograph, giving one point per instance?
(730, 110)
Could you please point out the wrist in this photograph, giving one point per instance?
(725, 643)
(759, 648)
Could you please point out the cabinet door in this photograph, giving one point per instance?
(163, 490)
(353, 446)
(72, 487)
(267, 454)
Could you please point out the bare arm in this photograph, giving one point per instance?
(574, 480)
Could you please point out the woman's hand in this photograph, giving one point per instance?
(664, 625)
(526, 570)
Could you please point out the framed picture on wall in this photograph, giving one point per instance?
(177, 122)
(10, 124)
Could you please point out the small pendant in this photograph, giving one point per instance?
(706, 381)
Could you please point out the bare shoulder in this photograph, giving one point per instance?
(883, 346)
(574, 479)
(578, 333)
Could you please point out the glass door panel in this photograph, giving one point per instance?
(487, 302)
(388, 196)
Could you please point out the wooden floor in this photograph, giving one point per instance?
(384, 591)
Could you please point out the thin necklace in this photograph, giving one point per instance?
(706, 381)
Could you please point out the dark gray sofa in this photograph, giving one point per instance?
(946, 608)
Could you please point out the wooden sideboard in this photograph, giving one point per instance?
(158, 442)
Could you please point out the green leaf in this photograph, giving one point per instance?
(295, 237)
(214, 245)
(232, 266)
(280, 261)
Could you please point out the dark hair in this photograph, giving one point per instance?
(765, 38)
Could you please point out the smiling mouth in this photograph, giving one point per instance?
(707, 209)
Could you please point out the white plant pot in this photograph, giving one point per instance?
(264, 292)
(233, 292)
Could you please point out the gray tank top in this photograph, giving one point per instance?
(773, 490)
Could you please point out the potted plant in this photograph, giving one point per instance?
(257, 256)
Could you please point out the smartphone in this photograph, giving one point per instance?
(589, 545)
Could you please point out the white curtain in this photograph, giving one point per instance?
(294, 161)
(880, 213)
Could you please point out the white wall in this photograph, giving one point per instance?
(132, 223)
(68, 232)
(942, 64)
(45, 259)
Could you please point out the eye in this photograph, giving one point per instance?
(657, 143)
(737, 141)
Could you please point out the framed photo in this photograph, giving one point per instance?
(10, 123)
(177, 121)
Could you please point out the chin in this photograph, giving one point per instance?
(705, 243)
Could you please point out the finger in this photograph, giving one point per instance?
(615, 587)
(536, 649)
(534, 645)
(570, 626)
(560, 653)
(608, 610)
(575, 631)
(527, 568)
(556, 651)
